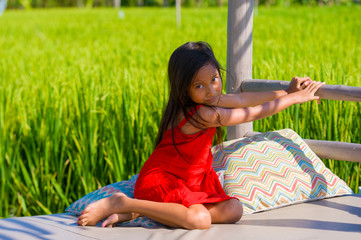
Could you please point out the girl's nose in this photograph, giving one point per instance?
(211, 90)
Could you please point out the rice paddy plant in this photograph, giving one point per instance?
(318, 47)
(82, 91)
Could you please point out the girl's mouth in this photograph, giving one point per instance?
(213, 99)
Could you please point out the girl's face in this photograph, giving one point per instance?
(206, 86)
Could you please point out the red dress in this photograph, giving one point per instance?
(167, 177)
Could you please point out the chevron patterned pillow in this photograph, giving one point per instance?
(274, 169)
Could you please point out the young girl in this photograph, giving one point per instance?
(177, 185)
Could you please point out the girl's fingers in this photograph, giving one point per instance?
(304, 79)
(313, 98)
(318, 99)
(304, 82)
(318, 86)
(314, 86)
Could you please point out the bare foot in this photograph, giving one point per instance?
(101, 209)
(115, 218)
(119, 217)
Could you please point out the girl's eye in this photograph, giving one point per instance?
(199, 86)
(214, 79)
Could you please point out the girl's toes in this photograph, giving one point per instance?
(82, 221)
(86, 210)
(107, 224)
(110, 220)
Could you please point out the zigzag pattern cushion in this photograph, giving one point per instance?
(274, 169)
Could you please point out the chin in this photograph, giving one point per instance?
(213, 104)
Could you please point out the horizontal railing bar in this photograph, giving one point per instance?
(336, 150)
(332, 92)
(331, 149)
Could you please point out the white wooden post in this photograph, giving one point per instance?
(3, 4)
(239, 54)
(117, 3)
(178, 12)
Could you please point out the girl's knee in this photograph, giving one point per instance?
(198, 218)
(233, 211)
(237, 209)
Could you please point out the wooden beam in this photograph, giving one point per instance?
(331, 149)
(239, 54)
(333, 92)
(336, 150)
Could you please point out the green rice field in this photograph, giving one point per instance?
(82, 91)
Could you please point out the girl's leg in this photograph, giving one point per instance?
(171, 214)
(229, 211)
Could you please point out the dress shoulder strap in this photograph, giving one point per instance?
(191, 113)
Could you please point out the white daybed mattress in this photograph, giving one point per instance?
(334, 218)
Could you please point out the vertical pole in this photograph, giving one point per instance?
(117, 3)
(178, 12)
(3, 4)
(239, 54)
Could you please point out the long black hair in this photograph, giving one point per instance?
(184, 64)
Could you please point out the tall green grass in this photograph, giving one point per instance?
(82, 91)
(321, 43)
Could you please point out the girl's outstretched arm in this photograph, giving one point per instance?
(229, 116)
(251, 99)
(248, 99)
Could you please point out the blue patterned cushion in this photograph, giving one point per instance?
(126, 187)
